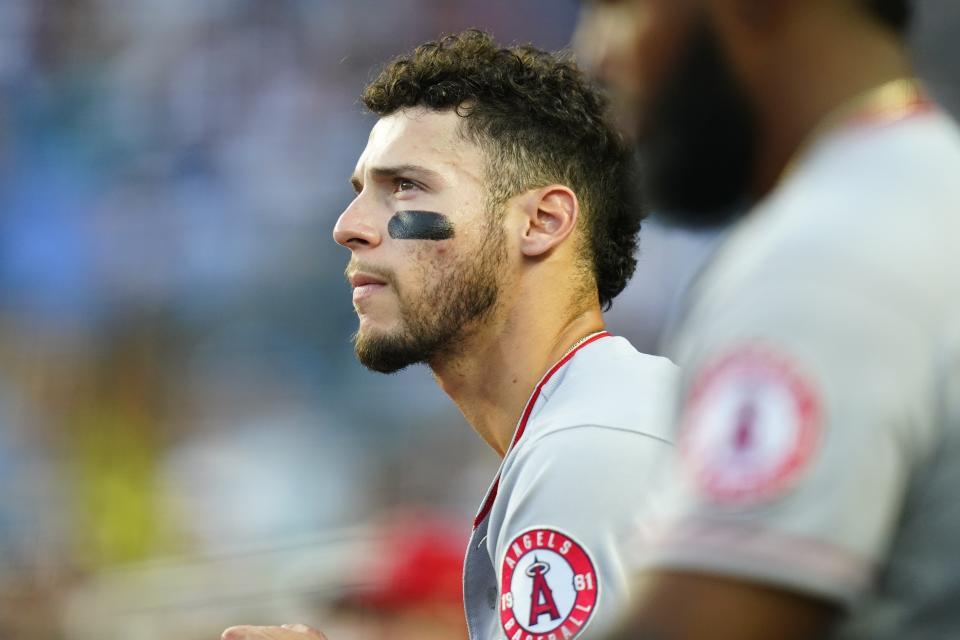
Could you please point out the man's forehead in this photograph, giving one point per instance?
(423, 137)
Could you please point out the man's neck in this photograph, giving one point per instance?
(849, 59)
(492, 378)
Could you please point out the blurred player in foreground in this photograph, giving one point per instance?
(816, 489)
(493, 221)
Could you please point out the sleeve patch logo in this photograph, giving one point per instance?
(750, 426)
(548, 587)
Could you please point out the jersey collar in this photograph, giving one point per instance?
(888, 103)
(525, 417)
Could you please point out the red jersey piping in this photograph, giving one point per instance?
(525, 416)
(920, 106)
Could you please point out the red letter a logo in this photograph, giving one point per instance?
(541, 598)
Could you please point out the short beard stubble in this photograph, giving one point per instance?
(698, 142)
(438, 319)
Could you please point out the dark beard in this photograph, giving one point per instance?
(439, 319)
(698, 142)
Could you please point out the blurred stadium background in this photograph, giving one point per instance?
(186, 441)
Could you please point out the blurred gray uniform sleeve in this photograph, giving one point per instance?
(806, 407)
(590, 484)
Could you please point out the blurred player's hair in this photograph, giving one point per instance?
(539, 122)
(893, 13)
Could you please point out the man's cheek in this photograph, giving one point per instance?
(664, 29)
(420, 225)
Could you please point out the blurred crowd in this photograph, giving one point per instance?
(184, 433)
(177, 378)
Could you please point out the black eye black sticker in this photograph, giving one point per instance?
(420, 225)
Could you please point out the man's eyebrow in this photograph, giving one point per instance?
(400, 170)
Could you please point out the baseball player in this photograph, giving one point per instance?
(493, 221)
(815, 488)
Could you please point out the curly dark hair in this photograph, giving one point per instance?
(539, 122)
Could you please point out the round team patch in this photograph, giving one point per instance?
(750, 426)
(548, 587)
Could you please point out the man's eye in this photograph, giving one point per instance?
(402, 184)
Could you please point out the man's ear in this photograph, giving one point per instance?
(551, 213)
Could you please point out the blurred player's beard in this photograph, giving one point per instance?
(698, 141)
(436, 320)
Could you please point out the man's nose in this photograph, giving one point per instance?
(590, 45)
(356, 229)
(597, 43)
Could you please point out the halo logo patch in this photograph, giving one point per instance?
(548, 587)
(751, 424)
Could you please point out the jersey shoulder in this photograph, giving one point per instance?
(610, 385)
(869, 212)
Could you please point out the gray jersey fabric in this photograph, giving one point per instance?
(548, 556)
(819, 437)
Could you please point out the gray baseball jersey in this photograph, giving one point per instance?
(819, 437)
(547, 558)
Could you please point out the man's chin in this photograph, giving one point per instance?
(384, 352)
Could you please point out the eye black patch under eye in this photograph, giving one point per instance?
(420, 225)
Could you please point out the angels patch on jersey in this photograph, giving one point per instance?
(750, 426)
(548, 587)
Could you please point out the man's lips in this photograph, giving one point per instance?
(365, 285)
(360, 279)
